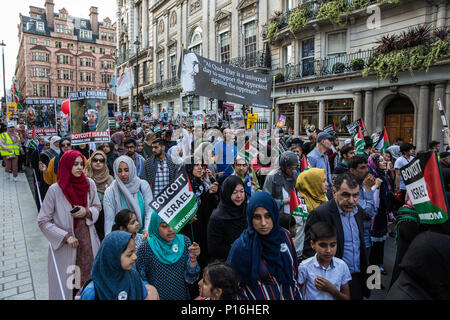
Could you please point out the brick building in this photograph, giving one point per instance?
(59, 53)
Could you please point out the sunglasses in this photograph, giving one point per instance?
(65, 145)
(101, 160)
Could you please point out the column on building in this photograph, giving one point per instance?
(321, 123)
(368, 110)
(357, 108)
(145, 23)
(422, 117)
(297, 119)
(441, 14)
(436, 133)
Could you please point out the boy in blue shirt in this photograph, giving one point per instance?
(323, 276)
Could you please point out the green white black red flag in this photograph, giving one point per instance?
(423, 182)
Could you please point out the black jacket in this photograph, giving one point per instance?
(340, 168)
(329, 212)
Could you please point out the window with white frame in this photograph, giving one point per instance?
(160, 71)
(224, 44)
(287, 59)
(33, 40)
(196, 41)
(250, 44)
(86, 34)
(40, 26)
(307, 57)
(173, 66)
(337, 43)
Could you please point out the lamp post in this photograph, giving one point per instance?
(190, 98)
(137, 43)
(3, 44)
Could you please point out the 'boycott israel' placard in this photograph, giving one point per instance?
(424, 186)
(176, 204)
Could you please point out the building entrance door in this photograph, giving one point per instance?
(399, 119)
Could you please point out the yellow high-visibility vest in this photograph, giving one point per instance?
(15, 149)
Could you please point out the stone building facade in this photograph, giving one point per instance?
(59, 53)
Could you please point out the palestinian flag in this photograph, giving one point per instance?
(424, 184)
(296, 208)
(305, 164)
(359, 142)
(16, 96)
(176, 204)
(32, 144)
(383, 141)
(363, 128)
(330, 129)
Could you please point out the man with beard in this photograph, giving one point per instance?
(139, 161)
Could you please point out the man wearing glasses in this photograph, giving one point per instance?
(241, 171)
(50, 173)
(139, 161)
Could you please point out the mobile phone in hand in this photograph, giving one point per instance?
(76, 209)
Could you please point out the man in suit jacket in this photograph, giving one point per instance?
(344, 213)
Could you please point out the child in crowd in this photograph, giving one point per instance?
(284, 223)
(218, 282)
(126, 220)
(323, 276)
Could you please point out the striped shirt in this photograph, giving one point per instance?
(267, 287)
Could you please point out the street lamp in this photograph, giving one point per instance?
(137, 43)
(190, 98)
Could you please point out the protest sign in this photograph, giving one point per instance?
(212, 118)
(204, 77)
(423, 182)
(176, 204)
(237, 120)
(198, 117)
(251, 120)
(353, 128)
(281, 122)
(11, 108)
(41, 116)
(89, 117)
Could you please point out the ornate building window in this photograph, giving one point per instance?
(196, 41)
(173, 19)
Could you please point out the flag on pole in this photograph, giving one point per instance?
(359, 142)
(363, 128)
(305, 164)
(16, 96)
(296, 208)
(330, 129)
(383, 141)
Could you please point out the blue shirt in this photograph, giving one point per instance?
(351, 251)
(337, 273)
(226, 155)
(318, 160)
(367, 202)
(89, 292)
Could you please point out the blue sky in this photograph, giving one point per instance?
(9, 19)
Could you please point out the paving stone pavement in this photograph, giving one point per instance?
(23, 248)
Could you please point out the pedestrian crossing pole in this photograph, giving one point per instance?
(445, 129)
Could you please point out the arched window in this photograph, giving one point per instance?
(196, 41)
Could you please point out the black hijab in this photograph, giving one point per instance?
(111, 157)
(197, 184)
(227, 210)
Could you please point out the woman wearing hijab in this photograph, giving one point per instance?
(313, 185)
(50, 172)
(72, 236)
(97, 170)
(113, 276)
(85, 150)
(264, 257)
(127, 191)
(379, 228)
(207, 200)
(108, 149)
(228, 220)
(168, 261)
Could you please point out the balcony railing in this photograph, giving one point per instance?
(173, 83)
(334, 65)
(256, 59)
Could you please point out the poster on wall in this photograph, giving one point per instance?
(41, 117)
(89, 117)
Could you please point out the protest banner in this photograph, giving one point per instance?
(41, 117)
(423, 182)
(89, 117)
(281, 122)
(204, 77)
(176, 204)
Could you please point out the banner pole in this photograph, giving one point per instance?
(272, 111)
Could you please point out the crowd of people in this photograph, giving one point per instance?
(244, 242)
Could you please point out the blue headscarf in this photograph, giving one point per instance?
(250, 248)
(58, 157)
(166, 252)
(107, 273)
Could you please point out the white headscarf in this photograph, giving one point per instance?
(52, 146)
(129, 189)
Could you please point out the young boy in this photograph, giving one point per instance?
(324, 277)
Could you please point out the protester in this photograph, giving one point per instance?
(126, 220)
(383, 203)
(264, 271)
(347, 152)
(113, 276)
(218, 282)
(225, 152)
(434, 146)
(390, 171)
(289, 223)
(242, 171)
(394, 149)
(78, 246)
(313, 186)
(85, 150)
(324, 276)
(140, 148)
(318, 158)
(333, 153)
(50, 172)
(368, 147)
(97, 170)
(108, 149)
(127, 191)
(228, 220)
(425, 273)
(407, 151)
(444, 159)
(168, 261)
(148, 145)
(262, 163)
(10, 150)
(159, 170)
(344, 213)
(118, 139)
(139, 161)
